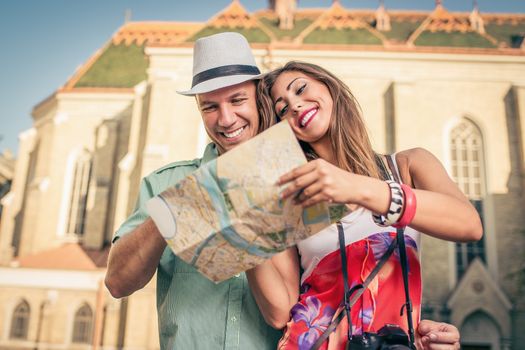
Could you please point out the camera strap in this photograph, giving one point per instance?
(404, 268)
(353, 294)
(394, 173)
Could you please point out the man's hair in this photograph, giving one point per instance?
(347, 131)
(264, 107)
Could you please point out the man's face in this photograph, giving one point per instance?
(230, 114)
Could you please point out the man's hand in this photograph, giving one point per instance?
(431, 335)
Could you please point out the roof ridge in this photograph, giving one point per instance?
(438, 20)
(80, 71)
(232, 16)
(339, 17)
(266, 30)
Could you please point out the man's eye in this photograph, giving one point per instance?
(208, 109)
(238, 101)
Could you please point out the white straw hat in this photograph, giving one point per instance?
(221, 60)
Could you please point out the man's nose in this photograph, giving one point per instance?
(226, 116)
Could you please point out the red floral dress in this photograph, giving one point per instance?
(322, 291)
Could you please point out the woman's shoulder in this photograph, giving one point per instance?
(413, 153)
(412, 161)
(420, 168)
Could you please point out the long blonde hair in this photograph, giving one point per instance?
(348, 135)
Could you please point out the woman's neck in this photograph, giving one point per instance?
(323, 148)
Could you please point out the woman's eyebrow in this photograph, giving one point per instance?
(290, 85)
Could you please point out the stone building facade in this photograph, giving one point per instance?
(453, 83)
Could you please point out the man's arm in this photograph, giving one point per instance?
(133, 259)
(431, 335)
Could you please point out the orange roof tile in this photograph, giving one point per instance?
(70, 256)
(339, 17)
(155, 32)
(233, 16)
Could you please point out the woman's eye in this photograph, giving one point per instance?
(301, 89)
(283, 111)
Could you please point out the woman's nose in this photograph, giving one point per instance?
(296, 107)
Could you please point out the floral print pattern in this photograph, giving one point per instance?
(316, 320)
(322, 291)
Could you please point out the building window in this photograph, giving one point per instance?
(79, 194)
(82, 325)
(4, 189)
(466, 154)
(20, 321)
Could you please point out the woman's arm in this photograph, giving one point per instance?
(442, 210)
(275, 286)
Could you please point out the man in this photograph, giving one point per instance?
(193, 312)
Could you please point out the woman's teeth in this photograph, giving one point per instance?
(307, 117)
(233, 133)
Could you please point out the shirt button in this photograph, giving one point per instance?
(233, 319)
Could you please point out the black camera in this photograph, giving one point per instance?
(389, 337)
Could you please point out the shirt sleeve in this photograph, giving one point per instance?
(140, 213)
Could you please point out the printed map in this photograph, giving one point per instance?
(227, 217)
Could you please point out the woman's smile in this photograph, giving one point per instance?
(307, 116)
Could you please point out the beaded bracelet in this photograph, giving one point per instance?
(409, 209)
(395, 208)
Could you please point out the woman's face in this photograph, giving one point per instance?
(305, 102)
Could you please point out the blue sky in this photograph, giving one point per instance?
(44, 41)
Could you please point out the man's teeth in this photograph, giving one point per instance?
(308, 116)
(233, 133)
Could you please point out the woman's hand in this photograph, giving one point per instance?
(431, 335)
(317, 181)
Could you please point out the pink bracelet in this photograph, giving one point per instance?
(409, 210)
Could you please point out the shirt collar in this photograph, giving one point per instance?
(210, 153)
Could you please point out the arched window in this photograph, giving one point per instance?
(79, 194)
(82, 325)
(20, 321)
(468, 169)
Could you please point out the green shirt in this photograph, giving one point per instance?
(193, 312)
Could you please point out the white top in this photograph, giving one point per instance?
(357, 225)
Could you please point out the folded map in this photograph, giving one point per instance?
(227, 217)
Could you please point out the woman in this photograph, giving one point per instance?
(325, 117)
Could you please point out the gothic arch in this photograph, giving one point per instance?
(83, 324)
(20, 318)
(466, 163)
(76, 187)
(481, 329)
